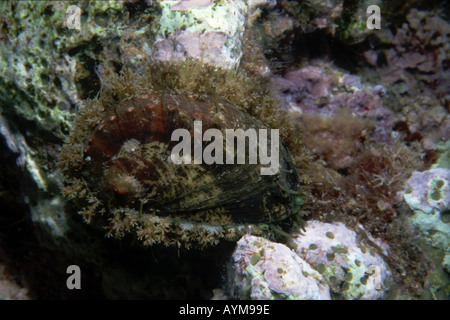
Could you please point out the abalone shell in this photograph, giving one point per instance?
(127, 175)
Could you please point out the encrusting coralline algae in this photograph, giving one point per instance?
(322, 262)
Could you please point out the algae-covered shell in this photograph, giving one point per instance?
(125, 172)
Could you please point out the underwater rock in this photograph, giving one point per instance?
(443, 160)
(47, 68)
(446, 262)
(25, 160)
(10, 289)
(428, 195)
(324, 90)
(313, 15)
(428, 191)
(205, 30)
(265, 270)
(413, 65)
(349, 261)
(417, 62)
(344, 20)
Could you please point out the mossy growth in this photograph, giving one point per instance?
(196, 81)
(356, 179)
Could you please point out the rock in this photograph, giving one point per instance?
(204, 30)
(428, 191)
(348, 262)
(266, 270)
(427, 194)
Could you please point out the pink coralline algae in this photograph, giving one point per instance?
(184, 44)
(351, 261)
(419, 57)
(323, 90)
(264, 270)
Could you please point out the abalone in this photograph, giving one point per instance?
(117, 167)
